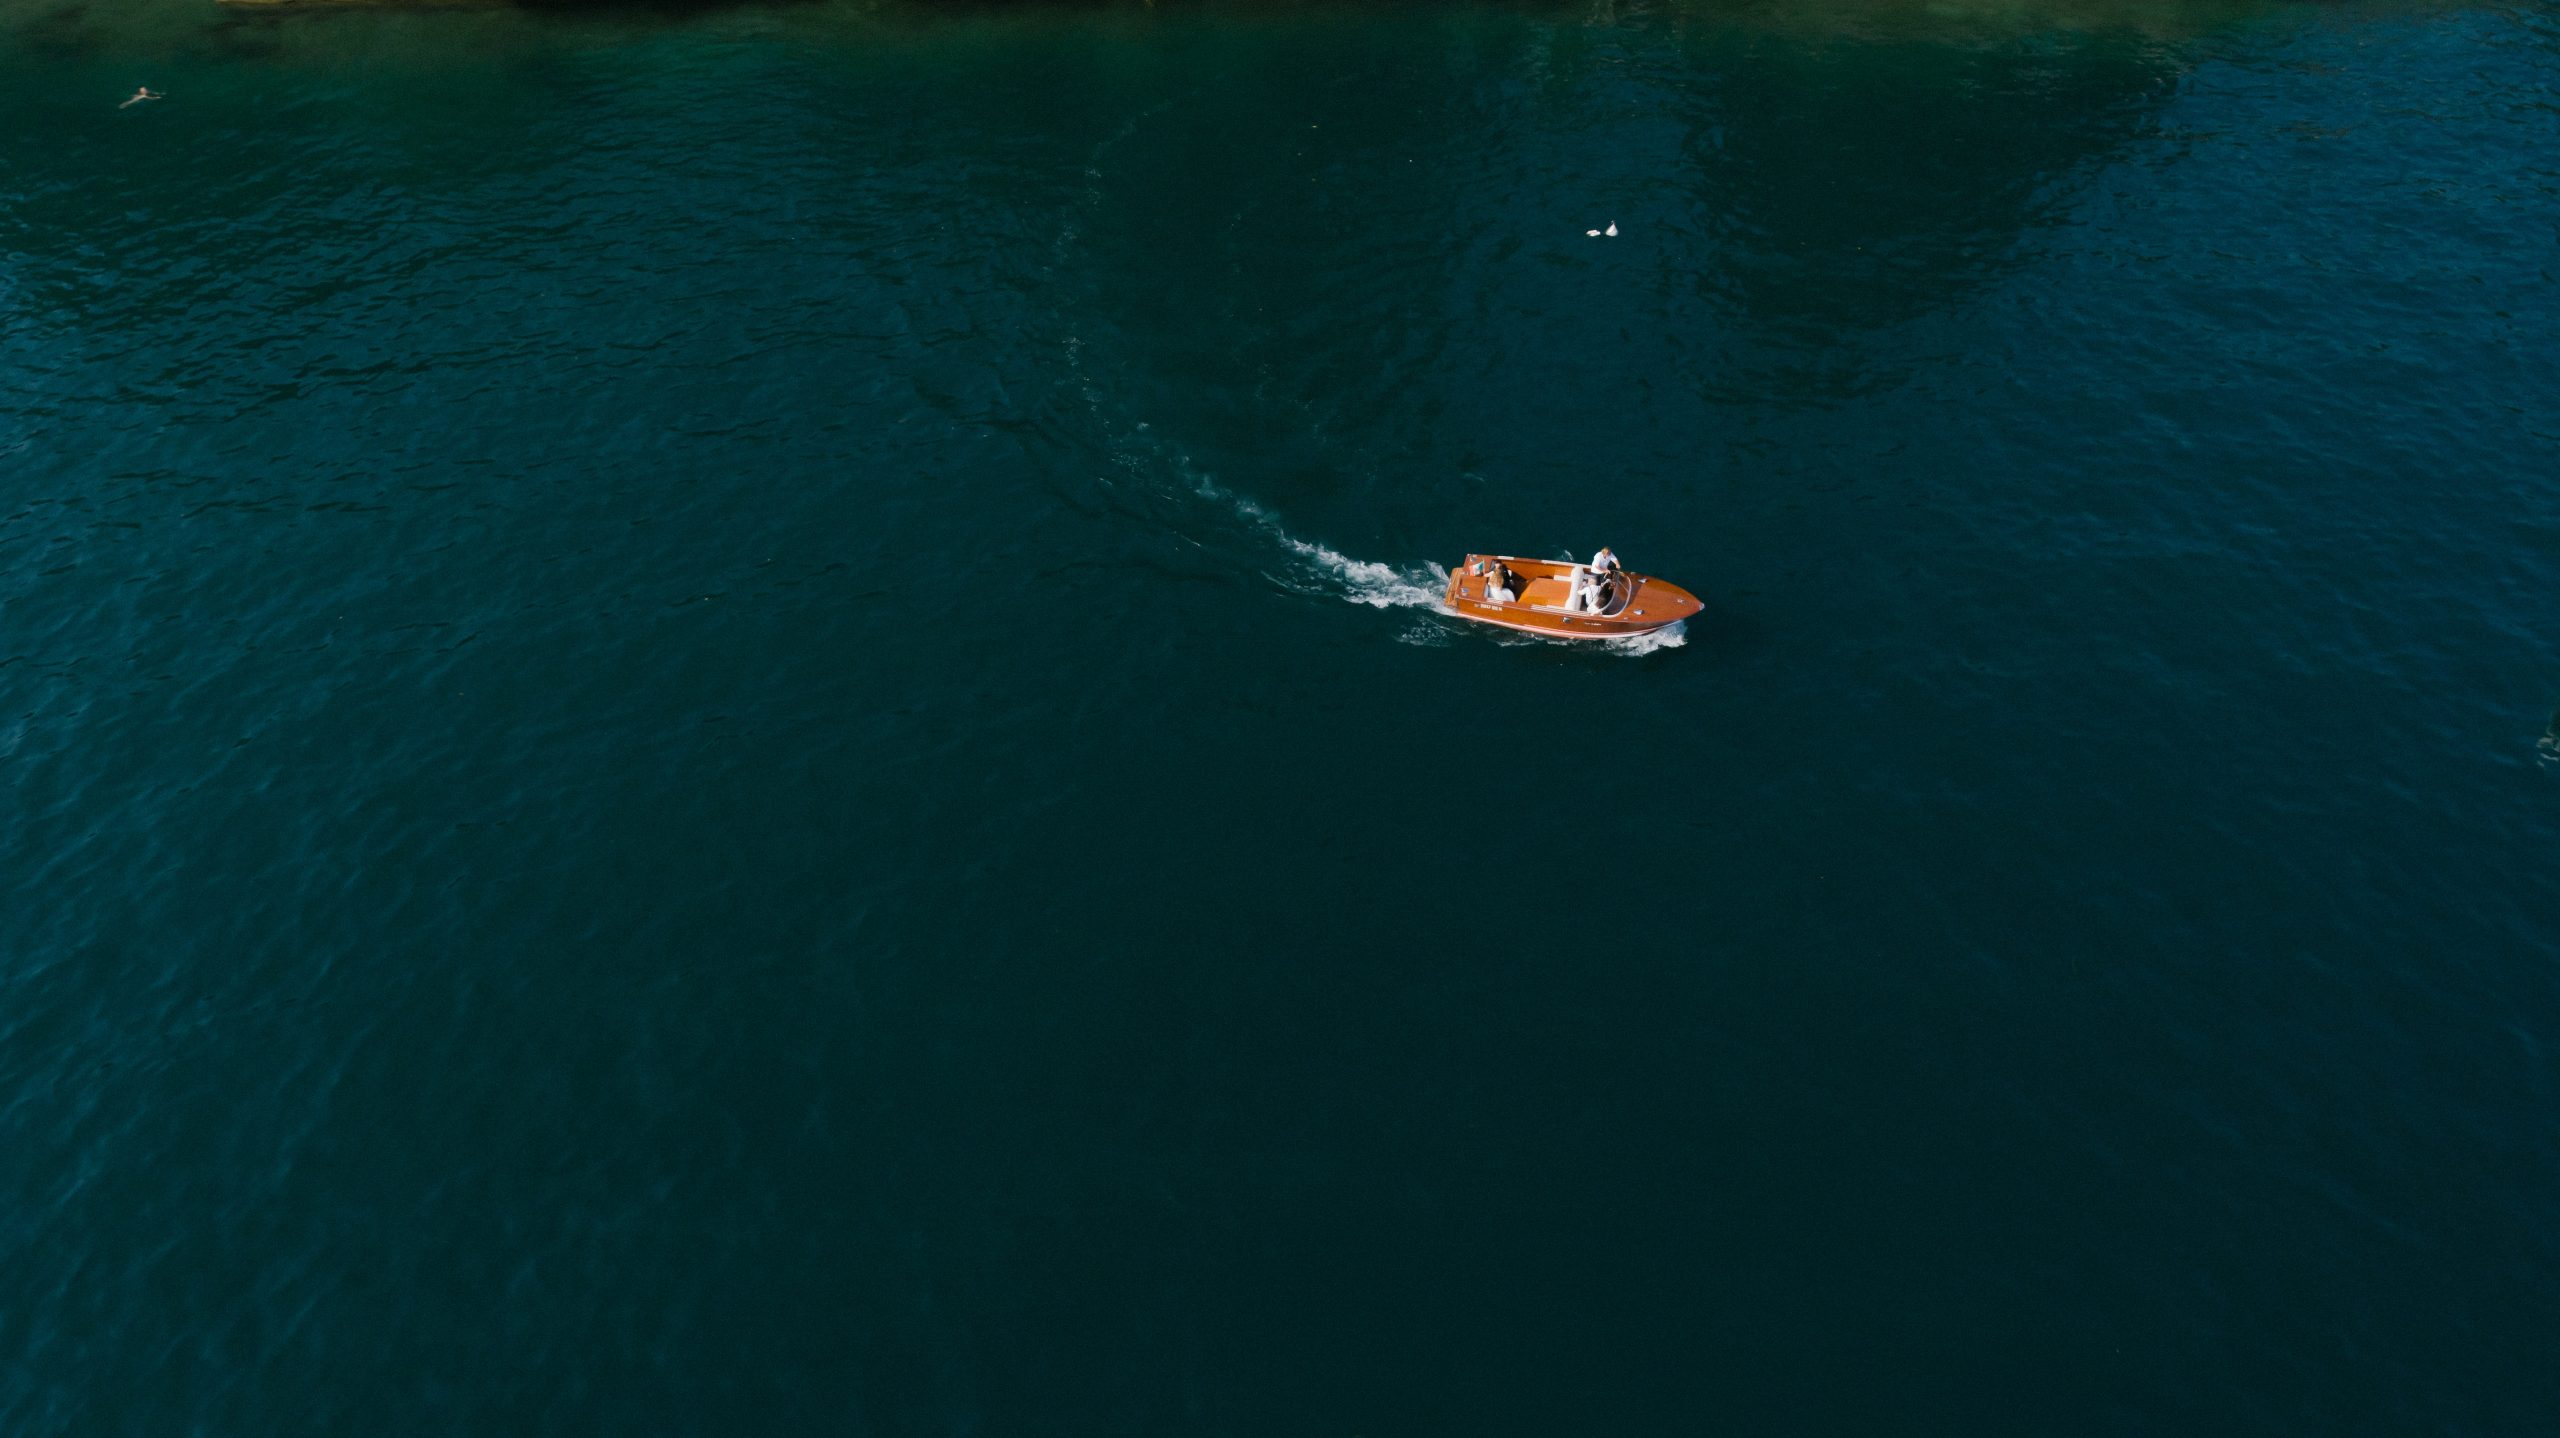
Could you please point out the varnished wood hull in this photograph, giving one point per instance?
(1647, 603)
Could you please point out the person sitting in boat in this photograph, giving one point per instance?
(1498, 588)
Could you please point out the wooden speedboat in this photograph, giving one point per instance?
(1564, 600)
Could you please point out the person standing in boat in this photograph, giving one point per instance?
(1603, 567)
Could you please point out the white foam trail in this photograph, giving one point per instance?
(1366, 581)
(1669, 636)
(1327, 570)
(1324, 570)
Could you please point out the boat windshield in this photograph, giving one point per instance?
(1610, 595)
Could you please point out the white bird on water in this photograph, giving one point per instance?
(1611, 232)
(140, 94)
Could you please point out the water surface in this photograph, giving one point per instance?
(729, 721)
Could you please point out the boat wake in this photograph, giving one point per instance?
(1366, 581)
(1316, 569)
(1669, 636)
(1323, 570)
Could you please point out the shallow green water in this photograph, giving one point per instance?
(730, 722)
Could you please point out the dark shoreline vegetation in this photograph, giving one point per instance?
(227, 26)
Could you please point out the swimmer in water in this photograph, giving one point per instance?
(140, 94)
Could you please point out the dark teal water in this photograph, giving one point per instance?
(725, 724)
